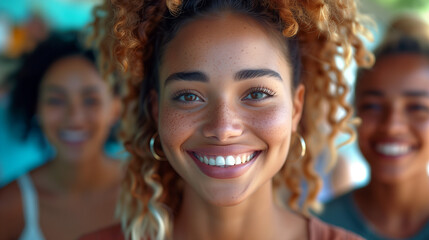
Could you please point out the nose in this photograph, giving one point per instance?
(394, 120)
(222, 122)
(75, 115)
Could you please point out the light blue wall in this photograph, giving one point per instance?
(60, 14)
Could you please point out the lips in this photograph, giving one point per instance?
(224, 166)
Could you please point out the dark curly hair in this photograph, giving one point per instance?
(27, 78)
(406, 34)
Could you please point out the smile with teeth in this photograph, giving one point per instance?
(225, 161)
(73, 135)
(393, 149)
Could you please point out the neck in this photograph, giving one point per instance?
(78, 176)
(257, 217)
(399, 197)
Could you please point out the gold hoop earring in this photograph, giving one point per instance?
(303, 146)
(152, 147)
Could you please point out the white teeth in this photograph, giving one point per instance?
(237, 160)
(224, 161)
(73, 136)
(229, 161)
(220, 161)
(393, 149)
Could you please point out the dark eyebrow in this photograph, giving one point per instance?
(187, 76)
(255, 73)
(241, 75)
(410, 93)
(53, 88)
(90, 90)
(86, 90)
(414, 93)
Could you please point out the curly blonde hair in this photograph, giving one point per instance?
(131, 34)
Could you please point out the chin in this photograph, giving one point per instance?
(226, 196)
(392, 176)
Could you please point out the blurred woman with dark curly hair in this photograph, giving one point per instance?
(215, 94)
(59, 94)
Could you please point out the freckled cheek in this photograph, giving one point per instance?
(175, 126)
(272, 123)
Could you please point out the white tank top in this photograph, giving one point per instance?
(30, 207)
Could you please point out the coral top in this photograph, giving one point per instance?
(317, 230)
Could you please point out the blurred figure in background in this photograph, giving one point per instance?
(392, 99)
(59, 92)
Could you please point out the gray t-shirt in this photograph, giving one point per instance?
(343, 212)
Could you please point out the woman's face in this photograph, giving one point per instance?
(393, 101)
(225, 111)
(75, 108)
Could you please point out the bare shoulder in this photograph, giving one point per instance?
(323, 231)
(11, 216)
(113, 232)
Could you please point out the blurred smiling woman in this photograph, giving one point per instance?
(392, 99)
(59, 86)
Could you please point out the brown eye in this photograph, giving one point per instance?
(91, 101)
(190, 97)
(370, 107)
(187, 97)
(418, 108)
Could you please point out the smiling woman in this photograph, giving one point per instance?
(216, 89)
(59, 93)
(392, 99)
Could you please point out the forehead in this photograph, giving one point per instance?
(72, 73)
(222, 44)
(396, 74)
